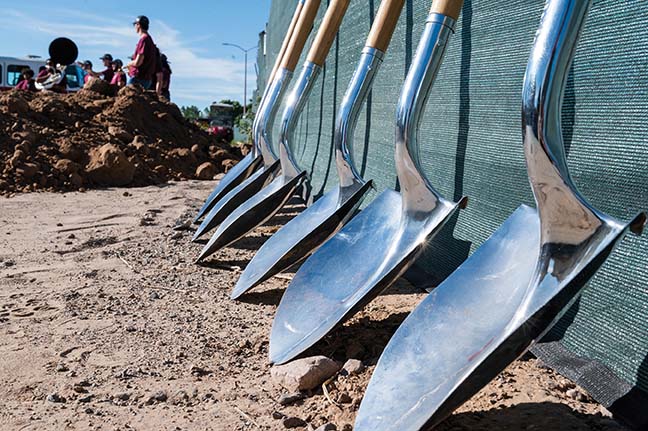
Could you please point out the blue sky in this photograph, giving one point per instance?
(190, 32)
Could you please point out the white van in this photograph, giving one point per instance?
(11, 70)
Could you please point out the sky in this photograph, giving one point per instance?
(190, 32)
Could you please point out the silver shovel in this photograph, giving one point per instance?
(271, 198)
(519, 282)
(311, 228)
(263, 133)
(379, 244)
(244, 168)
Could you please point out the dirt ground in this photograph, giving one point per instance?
(106, 323)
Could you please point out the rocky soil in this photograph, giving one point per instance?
(92, 139)
(106, 323)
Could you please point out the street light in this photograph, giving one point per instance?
(245, 83)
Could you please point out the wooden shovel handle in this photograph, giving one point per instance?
(302, 30)
(287, 37)
(451, 8)
(327, 31)
(384, 24)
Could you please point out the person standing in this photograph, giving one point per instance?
(89, 74)
(108, 72)
(165, 78)
(119, 77)
(142, 66)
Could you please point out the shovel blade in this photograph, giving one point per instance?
(301, 236)
(440, 342)
(253, 212)
(478, 321)
(235, 176)
(349, 270)
(235, 197)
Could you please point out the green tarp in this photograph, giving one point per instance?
(471, 145)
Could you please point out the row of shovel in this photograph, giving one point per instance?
(489, 311)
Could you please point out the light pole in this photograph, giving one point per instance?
(245, 83)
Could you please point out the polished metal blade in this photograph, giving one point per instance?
(236, 197)
(253, 212)
(302, 235)
(351, 269)
(235, 176)
(443, 339)
(479, 320)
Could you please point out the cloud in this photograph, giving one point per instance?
(196, 76)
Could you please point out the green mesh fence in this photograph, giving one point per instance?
(471, 145)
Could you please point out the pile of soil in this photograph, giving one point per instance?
(63, 142)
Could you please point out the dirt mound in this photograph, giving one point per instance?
(91, 139)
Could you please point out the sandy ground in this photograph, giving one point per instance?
(106, 323)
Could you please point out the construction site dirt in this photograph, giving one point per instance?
(107, 323)
(95, 138)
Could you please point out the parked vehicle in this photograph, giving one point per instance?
(221, 121)
(11, 70)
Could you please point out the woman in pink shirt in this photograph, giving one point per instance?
(119, 77)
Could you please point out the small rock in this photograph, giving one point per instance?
(176, 235)
(198, 371)
(180, 397)
(27, 170)
(122, 396)
(55, 398)
(278, 415)
(293, 422)
(344, 398)
(352, 367)
(206, 171)
(576, 395)
(347, 427)
(182, 224)
(66, 166)
(86, 399)
(158, 397)
(120, 134)
(61, 367)
(286, 399)
(79, 389)
(154, 295)
(327, 427)
(304, 374)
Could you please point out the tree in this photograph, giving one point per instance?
(190, 112)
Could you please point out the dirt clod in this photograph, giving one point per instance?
(293, 422)
(109, 166)
(206, 171)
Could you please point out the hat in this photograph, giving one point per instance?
(143, 21)
(87, 63)
(106, 57)
(118, 62)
